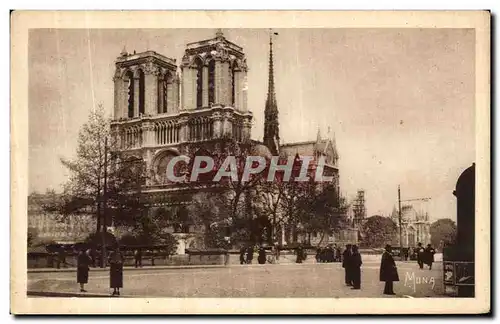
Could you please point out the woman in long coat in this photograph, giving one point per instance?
(388, 271)
(356, 268)
(82, 270)
(116, 271)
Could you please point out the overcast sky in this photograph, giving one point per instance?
(400, 101)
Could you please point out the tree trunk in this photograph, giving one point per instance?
(322, 238)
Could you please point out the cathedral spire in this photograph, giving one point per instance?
(318, 136)
(271, 124)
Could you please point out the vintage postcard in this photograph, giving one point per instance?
(250, 162)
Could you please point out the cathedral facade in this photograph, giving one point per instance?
(162, 108)
(415, 225)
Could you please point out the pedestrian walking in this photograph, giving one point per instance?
(116, 260)
(356, 263)
(346, 264)
(429, 256)
(82, 269)
(138, 258)
(420, 255)
(242, 255)
(388, 271)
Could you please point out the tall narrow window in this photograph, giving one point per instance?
(233, 85)
(165, 95)
(211, 82)
(160, 95)
(199, 83)
(130, 94)
(141, 92)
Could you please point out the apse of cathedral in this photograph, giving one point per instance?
(164, 109)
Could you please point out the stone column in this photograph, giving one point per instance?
(175, 95)
(205, 86)
(183, 126)
(218, 82)
(244, 91)
(228, 124)
(218, 125)
(225, 84)
(247, 126)
(148, 136)
(188, 88)
(118, 84)
(150, 92)
(237, 89)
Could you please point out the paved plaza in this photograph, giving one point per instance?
(270, 280)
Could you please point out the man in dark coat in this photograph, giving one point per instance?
(300, 254)
(138, 258)
(82, 270)
(346, 264)
(388, 271)
(420, 255)
(429, 256)
(116, 260)
(356, 268)
(262, 256)
(250, 254)
(242, 255)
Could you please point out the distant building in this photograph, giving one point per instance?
(49, 227)
(415, 225)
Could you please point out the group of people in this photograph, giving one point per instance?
(115, 259)
(328, 254)
(351, 262)
(247, 254)
(425, 255)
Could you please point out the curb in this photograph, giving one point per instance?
(32, 293)
(49, 270)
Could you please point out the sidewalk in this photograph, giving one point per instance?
(200, 266)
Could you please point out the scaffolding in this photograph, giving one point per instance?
(359, 208)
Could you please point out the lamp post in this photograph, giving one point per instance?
(105, 198)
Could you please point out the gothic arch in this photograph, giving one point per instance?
(128, 77)
(163, 81)
(233, 68)
(210, 62)
(198, 65)
(141, 80)
(200, 128)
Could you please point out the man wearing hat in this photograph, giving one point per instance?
(388, 271)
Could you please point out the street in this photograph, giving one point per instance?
(270, 280)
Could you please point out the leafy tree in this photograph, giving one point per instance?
(103, 182)
(443, 232)
(231, 212)
(322, 210)
(378, 231)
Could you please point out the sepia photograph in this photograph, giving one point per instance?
(223, 164)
